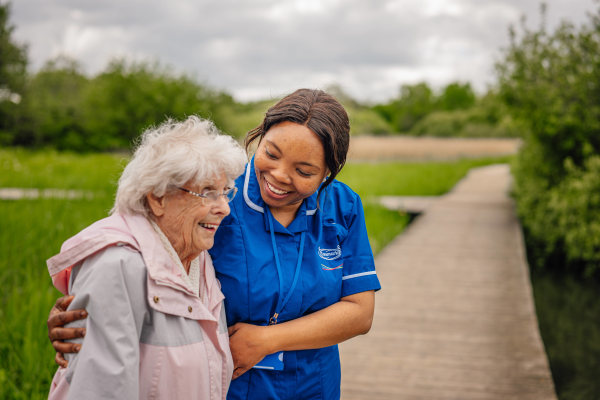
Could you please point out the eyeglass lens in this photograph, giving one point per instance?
(213, 195)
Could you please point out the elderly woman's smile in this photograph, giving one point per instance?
(188, 220)
(212, 227)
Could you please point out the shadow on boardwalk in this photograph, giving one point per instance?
(455, 318)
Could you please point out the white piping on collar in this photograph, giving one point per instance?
(255, 206)
(249, 202)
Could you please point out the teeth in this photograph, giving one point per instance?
(274, 190)
(209, 226)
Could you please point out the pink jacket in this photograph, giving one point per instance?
(147, 334)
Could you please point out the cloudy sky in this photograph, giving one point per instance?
(264, 48)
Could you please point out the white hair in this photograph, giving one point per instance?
(173, 154)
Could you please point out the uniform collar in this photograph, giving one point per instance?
(253, 200)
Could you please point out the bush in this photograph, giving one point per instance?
(441, 123)
(364, 121)
(551, 84)
(454, 112)
(472, 123)
(562, 222)
(53, 102)
(413, 103)
(237, 119)
(13, 68)
(575, 207)
(129, 97)
(67, 110)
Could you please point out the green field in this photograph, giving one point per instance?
(32, 230)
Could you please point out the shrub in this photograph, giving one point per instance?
(364, 121)
(551, 84)
(575, 207)
(472, 123)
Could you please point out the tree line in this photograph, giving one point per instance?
(60, 106)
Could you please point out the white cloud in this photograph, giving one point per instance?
(263, 48)
(434, 8)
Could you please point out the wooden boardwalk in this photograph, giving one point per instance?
(455, 318)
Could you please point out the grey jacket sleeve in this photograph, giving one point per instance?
(111, 286)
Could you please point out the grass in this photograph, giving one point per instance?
(32, 231)
(51, 169)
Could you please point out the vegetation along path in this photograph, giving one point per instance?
(455, 318)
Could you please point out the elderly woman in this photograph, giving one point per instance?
(156, 326)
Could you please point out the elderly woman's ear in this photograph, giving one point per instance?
(156, 204)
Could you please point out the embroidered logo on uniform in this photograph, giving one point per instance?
(330, 254)
(326, 268)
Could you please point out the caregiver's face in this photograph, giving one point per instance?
(189, 221)
(289, 164)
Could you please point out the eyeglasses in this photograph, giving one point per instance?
(212, 196)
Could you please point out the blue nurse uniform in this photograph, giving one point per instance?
(336, 261)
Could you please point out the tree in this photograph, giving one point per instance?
(13, 68)
(129, 97)
(54, 105)
(457, 96)
(551, 82)
(414, 103)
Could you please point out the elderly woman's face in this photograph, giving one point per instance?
(190, 222)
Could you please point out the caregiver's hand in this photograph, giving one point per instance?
(248, 345)
(57, 333)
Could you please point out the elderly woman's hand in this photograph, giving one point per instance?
(248, 345)
(59, 316)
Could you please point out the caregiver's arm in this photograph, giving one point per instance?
(349, 317)
(57, 333)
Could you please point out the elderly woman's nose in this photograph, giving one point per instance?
(221, 206)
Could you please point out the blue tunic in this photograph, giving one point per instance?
(337, 261)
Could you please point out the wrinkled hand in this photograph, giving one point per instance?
(59, 316)
(248, 345)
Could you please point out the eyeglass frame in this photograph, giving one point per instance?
(206, 197)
